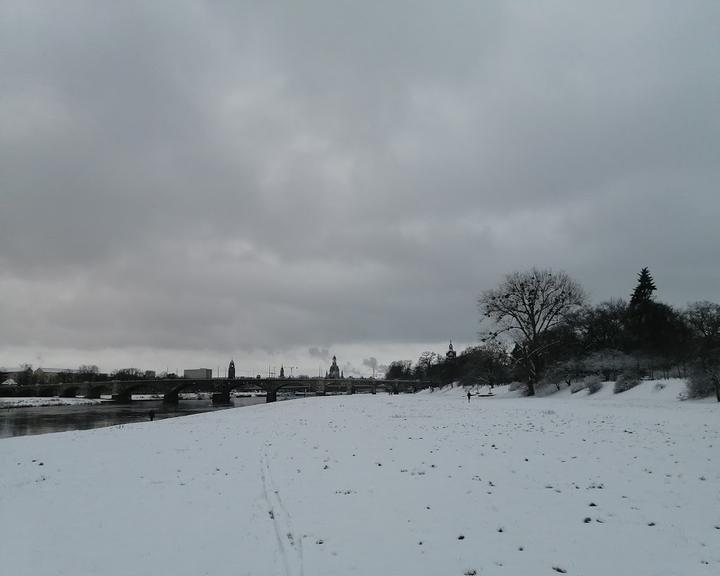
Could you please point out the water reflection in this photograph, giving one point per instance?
(41, 420)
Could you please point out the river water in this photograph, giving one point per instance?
(41, 420)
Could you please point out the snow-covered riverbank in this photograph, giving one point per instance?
(413, 485)
(39, 402)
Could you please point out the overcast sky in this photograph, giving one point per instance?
(185, 182)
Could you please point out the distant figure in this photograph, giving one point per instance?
(468, 395)
(152, 415)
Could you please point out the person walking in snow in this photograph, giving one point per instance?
(468, 395)
(151, 414)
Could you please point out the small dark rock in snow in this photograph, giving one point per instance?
(592, 504)
(470, 572)
(651, 523)
(587, 519)
(558, 569)
(461, 537)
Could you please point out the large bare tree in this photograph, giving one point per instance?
(526, 307)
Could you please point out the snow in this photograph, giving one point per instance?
(34, 402)
(423, 484)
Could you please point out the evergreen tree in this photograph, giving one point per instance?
(644, 289)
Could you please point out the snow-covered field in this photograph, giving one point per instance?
(29, 402)
(424, 484)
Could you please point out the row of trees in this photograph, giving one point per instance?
(537, 327)
(84, 373)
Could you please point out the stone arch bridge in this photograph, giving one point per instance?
(220, 388)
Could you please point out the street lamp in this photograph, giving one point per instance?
(291, 369)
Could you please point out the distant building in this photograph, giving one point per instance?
(450, 355)
(198, 373)
(334, 372)
(282, 371)
(12, 371)
(48, 375)
(231, 370)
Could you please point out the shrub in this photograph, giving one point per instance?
(700, 383)
(592, 383)
(518, 387)
(577, 386)
(625, 382)
(546, 387)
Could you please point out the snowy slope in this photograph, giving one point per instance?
(424, 484)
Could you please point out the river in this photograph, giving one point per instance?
(42, 420)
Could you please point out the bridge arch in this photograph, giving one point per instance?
(47, 391)
(69, 391)
(124, 391)
(173, 391)
(97, 390)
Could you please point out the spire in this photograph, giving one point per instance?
(450, 355)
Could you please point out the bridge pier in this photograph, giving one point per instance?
(221, 398)
(122, 397)
(271, 395)
(171, 397)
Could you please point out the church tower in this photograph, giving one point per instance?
(450, 354)
(231, 370)
(334, 370)
(282, 371)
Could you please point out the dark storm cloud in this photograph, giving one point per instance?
(225, 176)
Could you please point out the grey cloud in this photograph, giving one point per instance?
(261, 176)
(321, 353)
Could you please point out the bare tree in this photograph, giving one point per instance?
(703, 318)
(527, 307)
(425, 362)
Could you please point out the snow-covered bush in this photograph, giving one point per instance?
(546, 386)
(626, 381)
(577, 386)
(702, 383)
(518, 387)
(593, 383)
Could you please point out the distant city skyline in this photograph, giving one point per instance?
(187, 183)
(246, 364)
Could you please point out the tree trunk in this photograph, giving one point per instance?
(532, 376)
